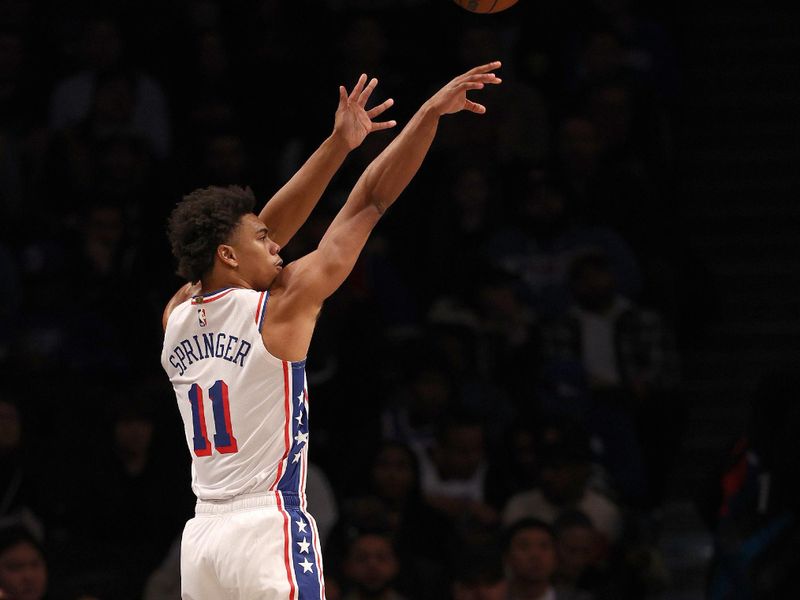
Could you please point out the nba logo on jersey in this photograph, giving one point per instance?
(201, 317)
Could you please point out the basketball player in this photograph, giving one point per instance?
(235, 346)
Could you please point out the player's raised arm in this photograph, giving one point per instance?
(289, 208)
(324, 270)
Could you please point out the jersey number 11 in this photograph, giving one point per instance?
(224, 441)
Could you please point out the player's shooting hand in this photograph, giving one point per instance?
(453, 96)
(353, 121)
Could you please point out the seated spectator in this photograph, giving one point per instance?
(751, 509)
(23, 570)
(20, 498)
(131, 478)
(423, 538)
(531, 562)
(103, 53)
(480, 576)
(548, 232)
(371, 567)
(453, 475)
(412, 415)
(629, 359)
(579, 552)
(566, 460)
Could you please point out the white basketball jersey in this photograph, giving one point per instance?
(244, 411)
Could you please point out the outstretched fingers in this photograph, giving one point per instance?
(377, 110)
(485, 68)
(383, 125)
(367, 92)
(474, 106)
(353, 97)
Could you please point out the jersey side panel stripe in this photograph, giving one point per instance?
(287, 542)
(286, 425)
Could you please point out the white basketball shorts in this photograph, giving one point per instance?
(261, 547)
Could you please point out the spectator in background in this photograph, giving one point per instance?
(21, 501)
(581, 566)
(565, 455)
(453, 475)
(10, 302)
(412, 415)
(104, 154)
(479, 575)
(130, 505)
(629, 358)
(371, 567)
(105, 82)
(531, 562)
(547, 233)
(752, 509)
(423, 538)
(23, 569)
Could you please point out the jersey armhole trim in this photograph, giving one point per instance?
(261, 309)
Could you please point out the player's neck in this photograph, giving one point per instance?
(215, 282)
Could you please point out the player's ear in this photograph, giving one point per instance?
(227, 255)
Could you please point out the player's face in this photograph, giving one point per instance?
(259, 263)
(23, 574)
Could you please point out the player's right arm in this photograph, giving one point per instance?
(321, 272)
(289, 208)
(182, 295)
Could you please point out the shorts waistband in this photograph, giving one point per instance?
(246, 501)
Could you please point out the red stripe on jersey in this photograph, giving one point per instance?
(258, 308)
(207, 299)
(286, 425)
(287, 540)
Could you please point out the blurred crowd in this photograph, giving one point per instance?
(496, 389)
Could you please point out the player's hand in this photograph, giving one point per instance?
(453, 96)
(353, 121)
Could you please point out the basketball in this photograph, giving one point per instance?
(485, 6)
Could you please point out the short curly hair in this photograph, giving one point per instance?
(202, 221)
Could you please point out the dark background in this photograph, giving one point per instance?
(663, 134)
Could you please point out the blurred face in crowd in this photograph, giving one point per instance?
(460, 452)
(545, 209)
(371, 563)
(564, 481)
(431, 394)
(11, 55)
(576, 547)
(603, 56)
(10, 429)
(579, 146)
(393, 473)
(23, 574)
(489, 590)
(102, 44)
(105, 225)
(226, 158)
(133, 436)
(594, 288)
(114, 101)
(471, 194)
(531, 556)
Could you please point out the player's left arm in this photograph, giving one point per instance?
(289, 208)
(182, 295)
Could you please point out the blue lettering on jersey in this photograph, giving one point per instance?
(214, 345)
